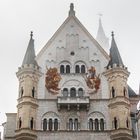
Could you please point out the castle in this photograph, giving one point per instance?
(74, 90)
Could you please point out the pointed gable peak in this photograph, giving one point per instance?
(71, 11)
(29, 57)
(115, 57)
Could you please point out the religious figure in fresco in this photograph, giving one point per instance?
(52, 80)
(92, 80)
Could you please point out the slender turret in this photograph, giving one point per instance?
(28, 75)
(119, 104)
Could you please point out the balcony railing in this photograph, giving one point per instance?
(72, 102)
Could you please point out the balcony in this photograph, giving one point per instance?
(25, 134)
(121, 134)
(78, 103)
(119, 100)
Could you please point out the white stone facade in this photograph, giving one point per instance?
(71, 46)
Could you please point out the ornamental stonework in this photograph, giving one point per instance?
(93, 81)
(52, 80)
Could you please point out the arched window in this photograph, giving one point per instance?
(70, 124)
(115, 123)
(113, 92)
(90, 124)
(33, 92)
(20, 123)
(50, 124)
(62, 69)
(44, 124)
(72, 92)
(80, 92)
(67, 68)
(65, 92)
(127, 123)
(96, 124)
(102, 124)
(55, 125)
(77, 69)
(32, 123)
(22, 91)
(76, 124)
(83, 70)
(124, 91)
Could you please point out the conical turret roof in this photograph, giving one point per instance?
(115, 57)
(29, 57)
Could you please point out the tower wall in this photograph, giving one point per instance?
(119, 105)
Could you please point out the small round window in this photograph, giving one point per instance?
(72, 53)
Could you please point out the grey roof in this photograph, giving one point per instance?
(131, 92)
(115, 57)
(29, 57)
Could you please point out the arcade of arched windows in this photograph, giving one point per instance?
(73, 124)
(73, 92)
(80, 69)
(51, 124)
(96, 124)
(67, 68)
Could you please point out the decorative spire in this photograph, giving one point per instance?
(112, 34)
(31, 34)
(115, 57)
(101, 37)
(71, 11)
(29, 57)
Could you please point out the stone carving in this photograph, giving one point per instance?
(52, 80)
(92, 80)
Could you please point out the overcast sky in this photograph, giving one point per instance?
(19, 17)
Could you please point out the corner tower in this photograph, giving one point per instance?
(28, 76)
(119, 105)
